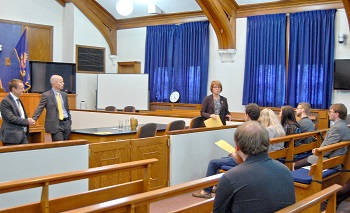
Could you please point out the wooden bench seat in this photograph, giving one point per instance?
(307, 204)
(317, 172)
(288, 154)
(81, 199)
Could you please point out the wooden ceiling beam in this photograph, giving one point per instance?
(346, 4)
(101, 18)
(224, 26)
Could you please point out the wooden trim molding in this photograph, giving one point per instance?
(287, 7)
(174, 18)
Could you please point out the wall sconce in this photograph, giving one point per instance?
(124, 7)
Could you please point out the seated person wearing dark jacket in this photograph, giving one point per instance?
(259, 184)
(252, 112)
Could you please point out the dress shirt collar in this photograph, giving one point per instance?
(13, 96)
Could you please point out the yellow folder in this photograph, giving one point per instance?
(213, 122)
(225, 146)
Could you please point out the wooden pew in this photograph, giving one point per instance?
(85, 198)
(127, 204)
(289, 152)
(303, 190)
(303, 205)
(308, 203)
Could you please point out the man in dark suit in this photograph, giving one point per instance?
(15, 123)
(58, 120)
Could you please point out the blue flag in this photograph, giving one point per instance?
(21, 50)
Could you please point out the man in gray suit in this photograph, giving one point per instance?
(337, 133)
(58, 120)
(15, 122)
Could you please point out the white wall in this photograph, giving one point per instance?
(131, 47)
(341, 51)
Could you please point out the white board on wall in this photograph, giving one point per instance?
(122, 90)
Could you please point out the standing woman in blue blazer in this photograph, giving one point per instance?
(215, 104)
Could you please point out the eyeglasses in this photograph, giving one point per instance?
(216, 87)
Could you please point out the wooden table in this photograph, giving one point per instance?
(104, 134)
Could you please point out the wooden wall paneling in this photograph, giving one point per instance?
(40, 45)
(108, 153)
(72, 101)
(171, 106)
(155, 147)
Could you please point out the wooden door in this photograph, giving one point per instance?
(154, 147)
(40, 42)
(108, 153)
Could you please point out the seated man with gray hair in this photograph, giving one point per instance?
(259, 183)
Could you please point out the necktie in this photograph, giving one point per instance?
(59, 106)
(21, 112)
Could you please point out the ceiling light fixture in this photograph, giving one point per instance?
(124, 7)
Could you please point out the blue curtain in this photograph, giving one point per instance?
(177, 58)
(265, 61)
(311, 58)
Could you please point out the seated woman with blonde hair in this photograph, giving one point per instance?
(270, 121)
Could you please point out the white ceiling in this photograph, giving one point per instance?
(167, 6)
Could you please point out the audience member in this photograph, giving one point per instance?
(15, 122)
(259, 184)
(215, 104)
(270, 121)
(289, 122)
(252, 112)
(305, 123)
(58, 120)
(337, 133)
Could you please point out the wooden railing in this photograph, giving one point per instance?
(303, 205)
(128, 204)
(308, 203)
(82, 199)
(289, 152)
